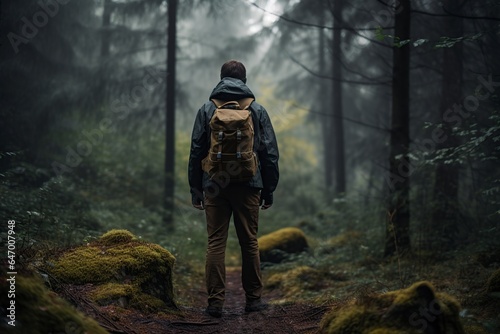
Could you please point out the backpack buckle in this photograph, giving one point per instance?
(221, 136)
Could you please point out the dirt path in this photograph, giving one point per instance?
(291, 318)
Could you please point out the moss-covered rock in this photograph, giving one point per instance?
(275, 246)
(40, 311)
(125, 271)
(417, 309)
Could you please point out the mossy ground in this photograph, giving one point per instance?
(342, 268)
(302, 282)
(346, 279)
(338, 267)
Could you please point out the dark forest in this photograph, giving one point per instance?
(387, 118)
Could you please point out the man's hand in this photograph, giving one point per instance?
(266, 206)
(199, 206)
(266, 200)
(197, 200)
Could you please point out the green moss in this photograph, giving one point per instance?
(282, 236)
(353, 320)
(344, 239)
(286, 240)
(116, 237)
(296, 281)
(118, 258)
(303, 283)
(417, 309)
(126, 295)
(109, 292)
(452, 306)
(40, 311)
(146, 303)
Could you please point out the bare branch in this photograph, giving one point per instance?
(311, 25)
(448, 14)
(336, 79)
(343, 118)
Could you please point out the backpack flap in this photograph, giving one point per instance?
(231, 153)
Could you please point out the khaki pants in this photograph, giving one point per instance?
(243, 203)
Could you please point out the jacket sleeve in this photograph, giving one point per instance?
(199, 149)
(268, 154)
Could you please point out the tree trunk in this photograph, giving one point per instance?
(105, 33)
(170, 115)
(398, 210)
(444, 213)
(102, 90)
(323, 100)
(337, 126)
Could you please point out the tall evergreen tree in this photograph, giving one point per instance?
(170, 113)
(324, 102)
(337, 121)
(398, 206)
(444, 210)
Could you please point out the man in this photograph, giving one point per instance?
(221, 198)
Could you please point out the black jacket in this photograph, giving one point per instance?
(265, 144)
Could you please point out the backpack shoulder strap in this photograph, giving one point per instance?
(218, 103)
(246, 102)
(242, 103)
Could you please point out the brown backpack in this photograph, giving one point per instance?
(231, 156)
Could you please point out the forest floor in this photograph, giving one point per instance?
(286, 318)
(343, 263)
(299, 305)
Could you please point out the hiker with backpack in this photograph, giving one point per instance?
(233, 170)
